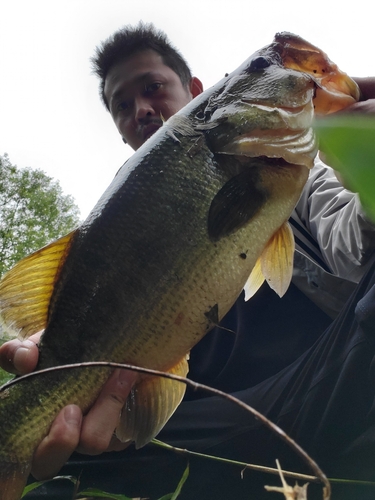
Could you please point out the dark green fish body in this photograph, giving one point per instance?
(162, 257)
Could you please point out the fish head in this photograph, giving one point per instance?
(263, 109)
(266, 107)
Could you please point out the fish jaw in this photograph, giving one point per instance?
(335, 90)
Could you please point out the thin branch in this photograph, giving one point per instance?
(244, 465)
(195, 385)
(259, 468)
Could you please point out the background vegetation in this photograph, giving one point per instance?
(33, 212)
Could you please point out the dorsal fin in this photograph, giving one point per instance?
(151, 405)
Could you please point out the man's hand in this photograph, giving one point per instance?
(367, 103)
(367, 87)
(70, 431)
(363, 107)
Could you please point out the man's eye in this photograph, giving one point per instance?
(122, 106)
(153, 87)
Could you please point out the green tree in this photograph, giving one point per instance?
(33, 212)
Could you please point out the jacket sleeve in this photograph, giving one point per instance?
(336, 221)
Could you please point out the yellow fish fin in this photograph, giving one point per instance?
(255, 280)
(25, 291)
(277, 259)
(150, 405)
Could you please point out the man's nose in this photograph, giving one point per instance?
(143, 108)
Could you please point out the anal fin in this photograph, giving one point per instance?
(150, 405)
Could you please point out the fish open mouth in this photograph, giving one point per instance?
(335, 90)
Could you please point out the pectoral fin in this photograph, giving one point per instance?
(25, 291)
(150, 405)
(277, 259)
(275, 265)
(234, 205)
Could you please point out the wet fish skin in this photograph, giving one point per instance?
(161, 258)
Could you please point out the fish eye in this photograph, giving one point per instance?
(258, 63)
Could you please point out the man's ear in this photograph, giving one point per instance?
(196, 86)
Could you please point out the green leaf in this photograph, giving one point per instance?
(33, 486)
(349, 145)
(93, 492)
(173, 496)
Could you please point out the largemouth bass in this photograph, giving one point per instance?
(167, 250)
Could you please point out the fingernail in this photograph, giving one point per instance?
(72, 415)
(21, 354)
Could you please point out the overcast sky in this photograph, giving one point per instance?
(50, 113)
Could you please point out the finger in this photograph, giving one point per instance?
(59, 444)
(102, 419)
(361, 107)
(19, 357)
(116, 445)
(367, 86)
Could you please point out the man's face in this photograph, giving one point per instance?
(140, 92)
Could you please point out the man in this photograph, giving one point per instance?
(323, 398)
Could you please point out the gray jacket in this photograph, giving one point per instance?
(334, 240)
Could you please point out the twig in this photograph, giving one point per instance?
(289, 492)
(277, 430)
(259, 468)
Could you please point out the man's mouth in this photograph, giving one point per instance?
(150, 128)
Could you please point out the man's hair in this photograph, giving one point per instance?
(130, 40)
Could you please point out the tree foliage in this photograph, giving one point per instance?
(33, 212)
